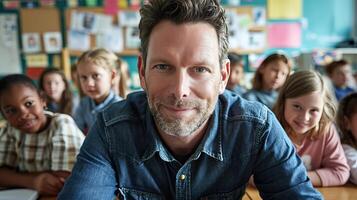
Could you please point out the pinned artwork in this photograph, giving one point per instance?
(31, 42)
(284, 35)
(53, 42)
(132, 40)
(129, 18)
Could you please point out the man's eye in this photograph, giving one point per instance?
(201, 69)
(161, 67)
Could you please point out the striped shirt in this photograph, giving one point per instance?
(54, 149)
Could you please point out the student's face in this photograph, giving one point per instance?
(352, 125)
(340, 76)
(54, 86)
(303, 113)
(182, 76)
(274, 75)
(236, 75)
(23, 109)
(96, 81)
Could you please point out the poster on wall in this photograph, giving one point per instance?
(284, 9)
(284, 35)
(129, 18)
(132, 40)
(31, 42)
(90, 22)
(53, 42)
(78, 41)
(9, 45)
(111, 40)
(11, 4)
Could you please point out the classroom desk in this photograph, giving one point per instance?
(346, 192)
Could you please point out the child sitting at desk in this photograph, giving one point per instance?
(37, 148)
(306, 110)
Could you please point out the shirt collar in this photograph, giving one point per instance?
(156, 145)
(211, 143)
(100, 106)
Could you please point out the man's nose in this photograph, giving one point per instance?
(181, 85)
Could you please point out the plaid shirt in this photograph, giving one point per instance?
(53, 149)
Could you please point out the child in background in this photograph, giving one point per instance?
(37, 148)
(59, 97)
(96, 71)
(306, 110)
(74, 83)
(268, 78)
(237, 74)
(347, 123)
(339, 73)
(120, 85)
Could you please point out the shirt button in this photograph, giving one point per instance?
(182, 177)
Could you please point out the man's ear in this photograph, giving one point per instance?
(141, 70)
(225, 71)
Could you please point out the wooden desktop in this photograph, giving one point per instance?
(345, 192)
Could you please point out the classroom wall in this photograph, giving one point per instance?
(325, 23)
(328, 22)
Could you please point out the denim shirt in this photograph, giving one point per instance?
(123, 155)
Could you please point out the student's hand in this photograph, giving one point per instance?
(62, 175)
(314, 178)
(47, 183)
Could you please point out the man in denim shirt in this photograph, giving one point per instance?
(185, 137)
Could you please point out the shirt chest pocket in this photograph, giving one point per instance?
(233, 195)
(131, 194)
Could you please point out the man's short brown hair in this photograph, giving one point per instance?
(183, 11)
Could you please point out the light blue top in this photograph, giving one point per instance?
(267, 98)
(55, 107)
(87, 110)
(342, 92)
(240, 90)
(123, 155)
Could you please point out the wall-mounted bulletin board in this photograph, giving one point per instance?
(41, 36)
(89, 27)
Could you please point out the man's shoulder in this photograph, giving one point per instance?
(236, 107)
(251, 94)
(131, 108)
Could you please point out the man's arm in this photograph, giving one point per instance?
(93, 176)
(279, 173)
